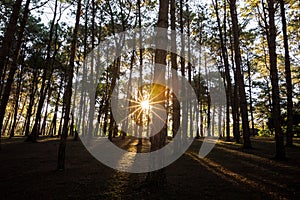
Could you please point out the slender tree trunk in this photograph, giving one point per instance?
(208, 98)
(6, 124)
(220, 111)
(220, 121)
(129, 88)
(52, 129)
(82, 120)
(68, 93)
(236, 125)
(13, 67)
(2, 78)
(9, 35)
(61, 122)
(250, 97)
(288, 78)
(200, 86)
(201, 118)
(228, 84)
(175, 102)
(189, 106)
(235, 98)
(115, 74)
(208, 114)
(16, 107)
(46, 76)
(43, 127)
(280, 151)
(241, 84)
(21, 116)
(183, 73)
(33, 90)
(54, 120)
(213, 121)
(140, 69)
(159, 139)
(113, 84)
(92, 65)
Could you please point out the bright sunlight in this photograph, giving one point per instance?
(145, 104)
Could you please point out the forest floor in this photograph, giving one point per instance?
(27, 171)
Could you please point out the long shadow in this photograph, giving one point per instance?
(262, 173)
(236, 179)
(256, 157)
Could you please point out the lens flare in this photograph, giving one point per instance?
(145, 105)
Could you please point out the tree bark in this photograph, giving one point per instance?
(240, 79)
(140, 70)
(175, 102)
(276, 113)
(16, 107)
(33, 90)
(68, 93)
(159, 139)
(182, 68)
(52, 131)
(46, 76)
(13, 67)
(235, 97)
(288, 78)
(250, 96)
(9, 35)
(228, 84)
(115, 74)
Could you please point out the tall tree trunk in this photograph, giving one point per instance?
(43, 127)
(183, 74)
(33, 90)
(13, 67)
(129, 88)
(159, 139)
(288, 78)
(82, 120)
(175, 102)
(228, 85)
(6, 124)
(235, 97)
(68, 93)
(189, 106)
(52, 131)
(92, 65)
(199, 84)
(213, 121)
(240, 79)
(53, 124)
(201, 117)
(2, 78)
(250, 97)
(208, 97)
(116, 67)
(9, 35)
(140, 70)
(61, 122)
(46, 76)
(280, 151)
(16, 107)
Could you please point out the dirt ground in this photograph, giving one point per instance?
(27, 171)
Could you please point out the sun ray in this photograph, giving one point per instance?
(152, 91)
(157, 102)
(142, 105)
(159, 117)
(130, 115)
